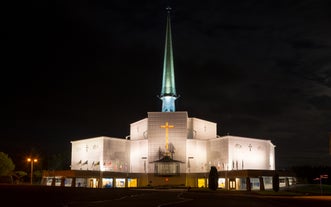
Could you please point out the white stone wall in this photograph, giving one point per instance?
(218, 153)
(196, 158)
(249, 153)
(194, 141)
(238, 153)
(201, 129)
(86, 153)
(272, 164)
(139, 156)
(116, 156)
(138, 130)
(101, 153)
(157, 136)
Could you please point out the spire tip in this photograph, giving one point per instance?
(168, 9)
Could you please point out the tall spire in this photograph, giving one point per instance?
(168, 91)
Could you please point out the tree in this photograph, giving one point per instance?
(275, 182)
(19, 176)
(248, 184)
(6, 164)
(213, 178)
(58, 161)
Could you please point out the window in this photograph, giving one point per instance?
(132, 182)
(166, 168)
(120, 182)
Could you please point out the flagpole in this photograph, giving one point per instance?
(321, 184)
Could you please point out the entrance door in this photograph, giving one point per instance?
(201, 182)
(232, 184)
(91, 183)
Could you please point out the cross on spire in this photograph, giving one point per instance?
(167, 127)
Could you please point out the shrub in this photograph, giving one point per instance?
(213, 178)
(275, 182)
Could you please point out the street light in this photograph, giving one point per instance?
(189, 164)
(145, 170)
(31, 172)
(189, 169)
(144, 158)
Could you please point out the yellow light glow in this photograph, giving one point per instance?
(167, 126)
(201, 182)
(30, 160)
(132, 182)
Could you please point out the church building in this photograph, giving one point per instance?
(170, 148)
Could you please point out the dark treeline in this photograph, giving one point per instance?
(308, 174)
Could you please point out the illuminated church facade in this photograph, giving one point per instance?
(169, 148)
(191, 143)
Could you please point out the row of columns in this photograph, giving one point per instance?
(73, 182)
(249, 185)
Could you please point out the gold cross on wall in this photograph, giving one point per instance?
(167, 126)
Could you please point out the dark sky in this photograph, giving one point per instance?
(75, 69)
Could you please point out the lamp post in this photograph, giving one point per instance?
(145, 170)
(101, 169)
(189, 170)
(226, 184)
(189, 164)
(31, 160)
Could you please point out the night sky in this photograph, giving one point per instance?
(260, 69)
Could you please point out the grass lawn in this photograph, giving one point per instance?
(297, 190)
(301, 189)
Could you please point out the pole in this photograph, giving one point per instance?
(31, 173)
(321, 184)
(32, 160)
(145, 169)
(226, 177)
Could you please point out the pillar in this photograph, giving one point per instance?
(261, 184)
(248, 184)
(226, 183)
(287, 182)
(73, 182)
(53, 182)
(99, 182)
(62, 181)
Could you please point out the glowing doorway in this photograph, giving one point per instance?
(201, 182)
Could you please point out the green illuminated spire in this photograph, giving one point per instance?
(168, 91)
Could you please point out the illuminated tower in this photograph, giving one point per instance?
(168, 91)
